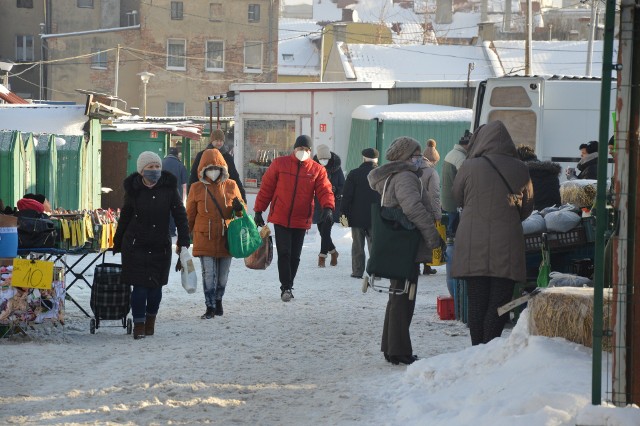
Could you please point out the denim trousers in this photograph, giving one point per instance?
(358, 258)
(215, 273)
(326, 243)
(145, 300)
(289, 243)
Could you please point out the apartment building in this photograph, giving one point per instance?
(193, 49)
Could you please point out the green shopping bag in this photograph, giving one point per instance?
(243, 236)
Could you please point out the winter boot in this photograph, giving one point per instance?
(334, 257)
(138, 330)
(321, 260)
(286, 295)
(428, 270)
(149, 325)
(210, 313)
(219, 311)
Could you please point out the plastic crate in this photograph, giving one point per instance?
(557, 240)
(446, 308)
(589, 224)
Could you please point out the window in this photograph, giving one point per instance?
(25, 4)
(215, 56)
(176, 10)
(175, 109)
(287, 57)
(252, 56)
(24, 48)
(85, 3)
(265, 140)
(99, 60)
(254, 13)
(176, 51)
(131, 17)
(215, 12)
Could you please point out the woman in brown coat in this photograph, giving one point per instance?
(210, 205)
(489, 249)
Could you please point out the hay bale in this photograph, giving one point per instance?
(579, 192)
(568, 312)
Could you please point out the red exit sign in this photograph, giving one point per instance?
(154, 134)
(323, 127)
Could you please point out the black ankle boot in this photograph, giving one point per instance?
(219, 310)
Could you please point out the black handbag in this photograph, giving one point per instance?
(36, 233)
(394, 243)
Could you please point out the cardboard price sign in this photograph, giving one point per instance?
(32, 273)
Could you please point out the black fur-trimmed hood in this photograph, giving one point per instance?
(543, 168)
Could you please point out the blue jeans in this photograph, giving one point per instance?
(215, 272)
(145, 300)
(452, 223)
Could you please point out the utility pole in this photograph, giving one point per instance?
(527, 42)
(117, 73)
(592, 34)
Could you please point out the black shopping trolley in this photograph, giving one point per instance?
(110, 298)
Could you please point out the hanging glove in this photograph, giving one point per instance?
(258, 219)
(327, 215)
(237, 205)
(344, 221)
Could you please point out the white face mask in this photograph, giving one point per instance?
(212, 174)
(303, 155)
(324, 162)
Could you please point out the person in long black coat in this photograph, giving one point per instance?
(544, 176)
(142, 236)
(217, 142)
(357, 198)
(332, 164)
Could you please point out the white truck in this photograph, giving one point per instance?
(554, 115)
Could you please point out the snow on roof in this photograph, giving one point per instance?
(297, 55)
(417, 62)
(42, 118)
(415, 112)
(552, 57)
(189, 130)
(9, 97)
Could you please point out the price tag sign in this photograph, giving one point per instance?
(32, 273)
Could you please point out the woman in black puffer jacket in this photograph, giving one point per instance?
(143, 237)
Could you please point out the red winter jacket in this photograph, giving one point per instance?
(289, 185)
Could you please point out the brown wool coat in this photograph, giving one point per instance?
(205, 222)
(489, 240)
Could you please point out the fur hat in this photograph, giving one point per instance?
(216, 135)
(402, 148)
(370, 153)
(146, 158)
(592, 147)
(430, 152)
(323, 152)
(304, 141)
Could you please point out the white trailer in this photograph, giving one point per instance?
(554, 115)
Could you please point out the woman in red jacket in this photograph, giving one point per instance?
(288, 187)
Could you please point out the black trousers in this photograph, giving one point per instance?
(396, 340)
(289, 246)
(326, 243)
(485, 296)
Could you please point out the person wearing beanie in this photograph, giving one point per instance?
(399, 181)
(172, 164)
(357, 198)
(211, 204)
(431, 185)
(142, 236)
(216, 140)
(495, 192)
(289, 186)
(332, 164)
(544, 177)
(588, 164)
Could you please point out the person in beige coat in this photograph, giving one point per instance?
(404, 190)
(489, 251)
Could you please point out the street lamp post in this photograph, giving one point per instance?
(145, 76)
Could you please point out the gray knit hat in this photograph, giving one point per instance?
(323, 152)
(402, 148)
(147, 157)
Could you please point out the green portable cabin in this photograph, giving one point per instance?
(46, 166)
(12, 167)
(379, 125)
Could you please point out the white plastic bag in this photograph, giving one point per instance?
(561, 221)
(188, 271)
(534, 224)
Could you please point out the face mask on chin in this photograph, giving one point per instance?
(212, 174)
(417, 161)
(324, 162)
(152, 175)
(303, 155)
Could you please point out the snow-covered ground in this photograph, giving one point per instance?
(315, 360)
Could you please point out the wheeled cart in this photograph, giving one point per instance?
(110, 298)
